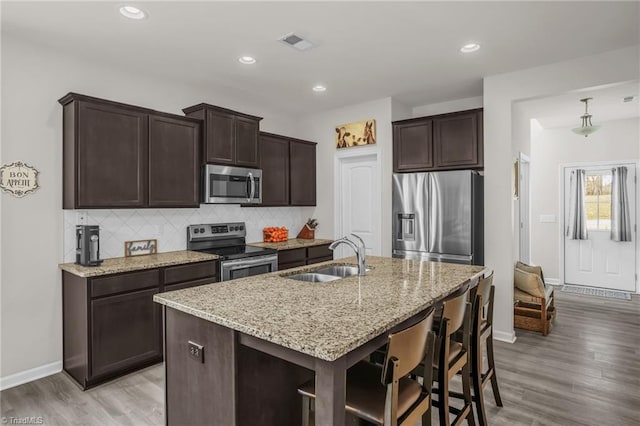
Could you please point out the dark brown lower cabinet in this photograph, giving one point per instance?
(112, 326)
(125, 331)
(293, 258)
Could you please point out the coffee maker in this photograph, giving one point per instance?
(88, 245)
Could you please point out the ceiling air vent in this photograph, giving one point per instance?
(296, 41)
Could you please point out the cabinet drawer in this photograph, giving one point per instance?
(285, 266)
(124, 282)
(319, 259)
(189, 272)
(319, 251)
(194, 283)
(294, 255)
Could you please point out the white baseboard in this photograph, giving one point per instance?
(552, 281)
(504, 336)
(30, 375)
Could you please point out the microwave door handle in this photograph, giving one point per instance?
(248, 182)
(253, 186)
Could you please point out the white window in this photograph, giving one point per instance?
(598, 200)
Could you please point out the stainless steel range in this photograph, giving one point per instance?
(227, 240)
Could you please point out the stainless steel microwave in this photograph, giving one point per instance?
(231, 185)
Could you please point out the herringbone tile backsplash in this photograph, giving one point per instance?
(169, 226)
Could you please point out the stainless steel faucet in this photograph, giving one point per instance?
(359, 251)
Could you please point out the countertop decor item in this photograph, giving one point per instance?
(18, 179)
(274, 234)
(293, 244)
(356, 134)
(140, 247)
(308, 231)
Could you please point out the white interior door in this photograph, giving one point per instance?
(359, 205)
(524, 200)
(598, 261)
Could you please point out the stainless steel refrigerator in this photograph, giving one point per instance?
(439, 216)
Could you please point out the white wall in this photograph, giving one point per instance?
(616, 140)
(449, 106)
(500, 91)
(321, 129)
(33, 79)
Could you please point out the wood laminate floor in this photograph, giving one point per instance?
(586, 372)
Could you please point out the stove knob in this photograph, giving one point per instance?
(195, 231)
(236, 228)
(202, 230)
(241, 228)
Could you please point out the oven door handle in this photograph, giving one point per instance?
(241, 264)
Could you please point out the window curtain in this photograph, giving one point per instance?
(577, 228)
(620, 220)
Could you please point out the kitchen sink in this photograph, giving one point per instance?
(341, 271)
(314, 277)
(326, 274)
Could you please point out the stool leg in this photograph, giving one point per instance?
(305, 411)
(466, 391)
(476, 372)
(426, 417)
(492, 367)
(443, 395)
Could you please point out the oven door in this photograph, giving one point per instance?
(232, 185)
(239, 268)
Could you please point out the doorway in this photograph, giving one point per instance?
(598, 261)
(358, 201)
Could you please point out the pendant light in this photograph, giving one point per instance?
(586, 128)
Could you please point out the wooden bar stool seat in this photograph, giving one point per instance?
(386, 395)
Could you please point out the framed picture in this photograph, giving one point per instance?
(356, 134)
(140, 247)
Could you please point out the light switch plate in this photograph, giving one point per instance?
(81, 217)
(196, 351)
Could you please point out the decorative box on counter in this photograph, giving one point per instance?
(274, 234)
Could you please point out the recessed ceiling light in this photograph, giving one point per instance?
(319, 88)
(471, 47)
(247, 60)
(132, 12)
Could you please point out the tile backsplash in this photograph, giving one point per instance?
(169, 226)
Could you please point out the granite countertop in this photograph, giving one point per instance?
(325, 320)
(126, 264)
(293, 243)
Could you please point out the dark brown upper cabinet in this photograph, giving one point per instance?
(441, 142)
(288, 171)
(174, 162)
(413, 146)
(123, 156)
(230, 137)
(302, 160)
(274, 162)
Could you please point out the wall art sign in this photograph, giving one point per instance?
(140, 247)
(18, 179)
(356, 134)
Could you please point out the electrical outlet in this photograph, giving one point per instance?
(81, 218)
(196, 351)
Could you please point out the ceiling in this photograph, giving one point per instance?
(565, 110)
(365, 50)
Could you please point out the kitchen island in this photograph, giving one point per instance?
(236, 351)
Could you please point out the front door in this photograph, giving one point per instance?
(599, 261)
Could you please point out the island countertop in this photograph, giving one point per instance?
(324, 320)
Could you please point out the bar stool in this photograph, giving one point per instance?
(483, 332)
(385, 395)
(453, 357)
